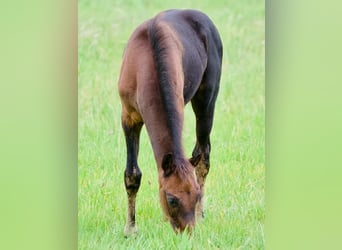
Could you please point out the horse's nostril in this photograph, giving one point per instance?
(176, 227)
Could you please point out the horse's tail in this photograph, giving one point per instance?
(167, 55)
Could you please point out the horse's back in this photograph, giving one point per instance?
(201, 43)
(201, 46)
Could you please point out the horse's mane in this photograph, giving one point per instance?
(167, 57)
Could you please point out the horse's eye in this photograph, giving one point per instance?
(172, 201)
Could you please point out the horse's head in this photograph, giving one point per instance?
(179, 192)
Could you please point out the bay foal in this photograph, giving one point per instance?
(170, 60)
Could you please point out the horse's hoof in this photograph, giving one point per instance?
(130, 231)
(199, 215)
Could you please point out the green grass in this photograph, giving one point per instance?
(235, 209)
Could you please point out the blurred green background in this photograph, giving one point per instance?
(38, 108)
(235, 186)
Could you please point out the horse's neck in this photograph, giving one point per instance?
(160, 134)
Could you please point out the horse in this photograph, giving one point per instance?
(169, 60)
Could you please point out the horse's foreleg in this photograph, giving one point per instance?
(202, 149)
(132, 173)
(203, 105)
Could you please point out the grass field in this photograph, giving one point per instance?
(235, 208)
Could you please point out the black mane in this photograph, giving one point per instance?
(159, 43)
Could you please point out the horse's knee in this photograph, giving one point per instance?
(202, 171)
(132, 181)
(203, 165)
(203, 151)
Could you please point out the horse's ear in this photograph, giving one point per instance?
(168, 164)
(195, 160)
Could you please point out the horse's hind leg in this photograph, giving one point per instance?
(132, 173)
